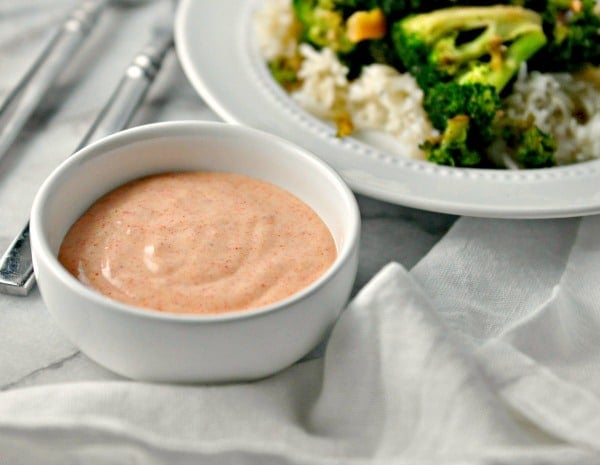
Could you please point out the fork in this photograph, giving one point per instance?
(20, 104)
(16, 267)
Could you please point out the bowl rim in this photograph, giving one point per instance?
(40, 245)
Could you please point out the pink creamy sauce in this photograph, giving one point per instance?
(198, 242)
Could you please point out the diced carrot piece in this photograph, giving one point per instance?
(365, 25)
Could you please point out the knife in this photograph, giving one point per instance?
(16, 267)
(25, 97)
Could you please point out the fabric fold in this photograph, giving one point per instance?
(539, 344)
(396, 385)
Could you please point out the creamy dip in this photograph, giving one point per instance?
(198, 242)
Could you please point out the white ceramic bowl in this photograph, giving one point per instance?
(156, 346)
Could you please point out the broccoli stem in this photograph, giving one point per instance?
(509, 35)
(504, 21)
(503, 69)
(519, 52)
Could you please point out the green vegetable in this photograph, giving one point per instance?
(464, 54)
(573, 31)
(439, 45)
(452, 148)
(529, 145)
(463, 58)
(323, 25)
(478, 102)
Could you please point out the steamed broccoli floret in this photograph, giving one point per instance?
(536, 149)
(439, 45)
(479, 102)
(475, 106)
(527, 144)
(332, 23)
(348, 32)
(573, 31)
(463, 58)
(323, 25)
(452, 147)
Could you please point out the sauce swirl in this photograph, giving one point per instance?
(198, 243)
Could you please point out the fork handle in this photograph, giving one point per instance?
(16, 267)
(133, 86)
(20, 104)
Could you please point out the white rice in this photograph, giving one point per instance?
(324, 84)
(276, 29)
(386, 100)
(553, 100)
(381, 99)
(588, 139)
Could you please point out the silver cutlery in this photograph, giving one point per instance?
(20, 104)
(16, 268)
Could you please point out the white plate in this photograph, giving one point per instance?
(216, 46)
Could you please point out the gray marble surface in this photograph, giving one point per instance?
(32, 350)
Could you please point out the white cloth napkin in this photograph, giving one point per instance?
(487, 352)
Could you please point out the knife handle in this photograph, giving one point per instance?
(20, 104)
(16, 267)
(132, 88)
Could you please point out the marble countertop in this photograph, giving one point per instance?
(389, 232)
